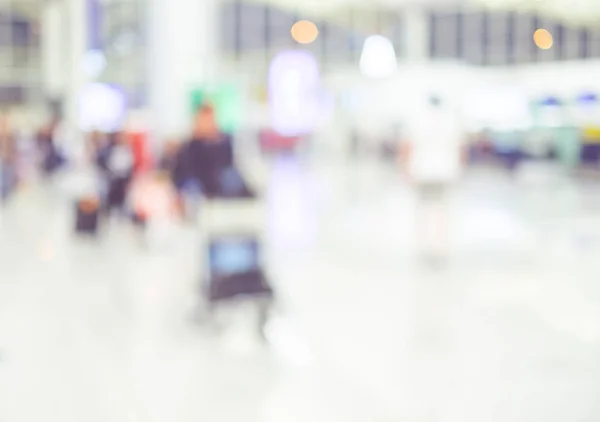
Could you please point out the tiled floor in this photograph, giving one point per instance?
(509, 330)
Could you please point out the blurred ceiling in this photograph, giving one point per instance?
(577, 11)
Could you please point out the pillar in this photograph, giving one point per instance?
(416, 36)
(76, 45)
(53, 50)
(182, 53)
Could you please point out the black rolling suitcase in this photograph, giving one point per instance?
(87, 216)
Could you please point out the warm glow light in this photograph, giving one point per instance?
(543, 39)
(304, 32)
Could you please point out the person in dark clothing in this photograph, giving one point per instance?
(206, 156)
(44, 139)
(8, 158)
(116, 162)
(52, 158)
(205, 164)
(207, 159)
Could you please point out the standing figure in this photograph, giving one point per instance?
(116, 162)
(434, 163)
(8, 158)
(52, 158)
(203, 161)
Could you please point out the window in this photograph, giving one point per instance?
(228, 26)
(524, 48)
(252, 27)
(472, 34)
(279, 25)
(594, 43)
(570, 48)
(445, 34)
(584, 44)
(395, 32)
(498, 27)
(336, 41)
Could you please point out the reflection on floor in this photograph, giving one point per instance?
(508, 330)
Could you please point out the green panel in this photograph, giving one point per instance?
(197, 98)
(566, 135)
(226, 100)
(568, 145)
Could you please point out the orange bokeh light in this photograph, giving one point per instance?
(304, 32)
(543, 39)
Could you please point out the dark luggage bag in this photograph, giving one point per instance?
(87, 216)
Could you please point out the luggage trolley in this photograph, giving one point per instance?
(232, 236)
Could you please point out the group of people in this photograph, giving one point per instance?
(20, 151)
(201, 164)
(198, 165)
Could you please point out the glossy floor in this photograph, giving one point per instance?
(507, 330)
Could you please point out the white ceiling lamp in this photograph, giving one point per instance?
(378, 58)
(101, 107)
(93, 64)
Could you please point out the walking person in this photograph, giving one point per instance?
(8, 158)
(117, 164)
(435, 161)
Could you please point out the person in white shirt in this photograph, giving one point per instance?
(434, 164)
